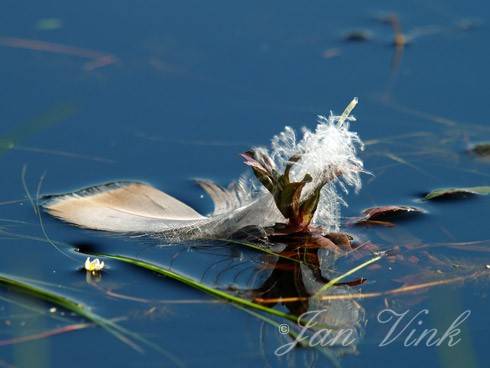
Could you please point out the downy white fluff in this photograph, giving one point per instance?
(330, 151)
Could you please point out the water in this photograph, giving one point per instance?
(194, 85)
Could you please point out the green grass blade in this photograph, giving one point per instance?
(83, 311)
(198, 285)
(27, 129)
(61, 301)
(336, 280)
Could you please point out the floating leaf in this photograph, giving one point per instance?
(457, 193)
(385, 214)
(480, 149)
(358, 36)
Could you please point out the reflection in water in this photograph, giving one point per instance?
(304, 266)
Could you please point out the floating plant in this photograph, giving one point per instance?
(384, 215)
(456, 193)
(481, 149)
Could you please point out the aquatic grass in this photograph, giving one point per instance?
(391, 292)
(70, 155)
(94, 59)
(33, 309)
(10, 235)
(81, 310)
(36, 207)
(46, 334)
(197, 285)
(337, 279)
(237, 302)
(67, 248)
(55, 115)
(13, 221)
(51, 297)
(41, 283)
(12, 201)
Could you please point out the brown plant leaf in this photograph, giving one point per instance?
(384, 215)
(480, 149)
(457, 193)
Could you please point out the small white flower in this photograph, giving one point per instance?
(94, 266)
